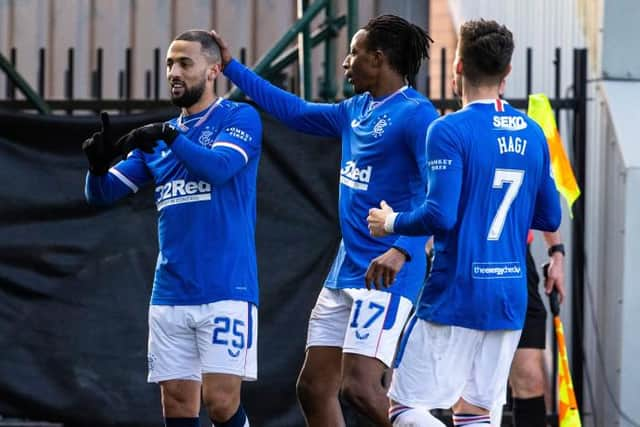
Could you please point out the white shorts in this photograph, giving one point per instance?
(360, 321)
(438, 364)
(186, 341)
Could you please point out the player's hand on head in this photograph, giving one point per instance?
(225, 52)
(377, 218)
(383, 270)
(146, 137)
(99, 148)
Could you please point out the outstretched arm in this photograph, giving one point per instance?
(308, 117)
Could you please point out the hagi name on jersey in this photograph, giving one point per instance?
(496, 270)
(180, 191)
(354, 177)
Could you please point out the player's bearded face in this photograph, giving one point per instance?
(184, 95)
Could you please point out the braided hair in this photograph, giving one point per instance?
(404, 44)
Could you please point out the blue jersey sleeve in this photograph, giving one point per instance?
(124, 178)
(416, 139)
(308, 117)
(444, 172)
(232, 149)
(547, 214)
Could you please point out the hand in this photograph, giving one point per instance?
(146, 137)
(225, 52)
(99, 148)
(555, 276)
(377, 218)
(382, 270)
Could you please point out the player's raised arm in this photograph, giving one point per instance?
(105, 185)
(308, 117)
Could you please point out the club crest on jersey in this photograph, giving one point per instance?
(179, 191)
(353, 176)
(205, 138)
(383, 122)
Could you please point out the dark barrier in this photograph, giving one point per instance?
(75, 281)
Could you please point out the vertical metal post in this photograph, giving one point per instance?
(557, 69)
(99, 73)
(147, 84)
(156, 73)
(304, 54)
(578, 225)
(41, 71)
(69, 78)
(328, 91)
(127, 74)
(11, 88)
(529, 56)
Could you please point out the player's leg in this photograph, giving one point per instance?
(405, 416)
(318, 387)
(466, 414)
(221, 396)
(432, 366)
(362, 386)
(487, 383)
(174, 364)
(528, 381)
(319, 381)
(528, 377)
(227, 333)
(374, 327)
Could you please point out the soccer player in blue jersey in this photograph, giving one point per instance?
(203, 318)
(489, 182)
(353, 332)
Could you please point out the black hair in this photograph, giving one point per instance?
(404, 44)
(485, 48)
(209, 47)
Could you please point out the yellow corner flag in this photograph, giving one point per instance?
(540, 111)
(568, 414)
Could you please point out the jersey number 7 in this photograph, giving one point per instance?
(514, 178)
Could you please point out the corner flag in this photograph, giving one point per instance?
(540, 110)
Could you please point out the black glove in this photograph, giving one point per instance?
(146, 137)
(99, 149)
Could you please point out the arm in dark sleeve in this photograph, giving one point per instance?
(124, 178)
(234, 146)
(308, 117)
(547, 213)
(440, 211)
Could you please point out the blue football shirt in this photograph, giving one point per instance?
(205, 191)
(489, 182)
(383, 158)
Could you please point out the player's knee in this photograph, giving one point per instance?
(178, 403)
(310, 389)
(403, 416)
(220, 405)
(356, 391)
(527, 381)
